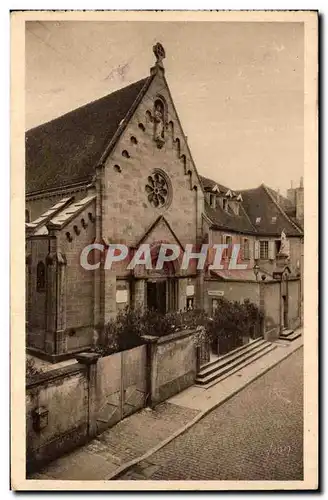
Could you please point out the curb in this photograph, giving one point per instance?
(125, 467)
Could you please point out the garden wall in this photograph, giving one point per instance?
(61, 399)
(176, 365)
(78, 402)
(294, 303)
(270, 294)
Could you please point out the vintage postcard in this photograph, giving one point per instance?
(164, 304)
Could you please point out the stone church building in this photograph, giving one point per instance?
(119, 170)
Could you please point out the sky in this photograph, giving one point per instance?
(238, 87)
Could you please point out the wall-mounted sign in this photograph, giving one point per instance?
(121, 296)
(190, 290)
(216, 293)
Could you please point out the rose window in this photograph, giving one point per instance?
(157, 190)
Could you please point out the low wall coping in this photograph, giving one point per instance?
(87, 358)
(149, 339)
(176, 336)
(44, 377)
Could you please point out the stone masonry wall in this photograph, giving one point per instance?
(127, 213)
(79, 281)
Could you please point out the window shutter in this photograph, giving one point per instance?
(271, 250)
(251, 249)
(256, 249)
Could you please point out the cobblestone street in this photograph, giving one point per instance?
(256, 435)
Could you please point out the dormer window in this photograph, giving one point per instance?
(225, 204)
(273, 220)
(258, 220)
(212, 200)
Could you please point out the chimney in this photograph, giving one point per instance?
(300, 201)
(291, 194)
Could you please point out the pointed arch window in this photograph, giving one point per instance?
(40, 277)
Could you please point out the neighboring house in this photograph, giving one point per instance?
(255, 220)
(119, 170)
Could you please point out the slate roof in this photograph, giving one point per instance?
(208, 184)
(66, 150)
(220, 217)
(223, 220)
(239, 275)
(259, 202)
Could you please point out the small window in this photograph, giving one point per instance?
(190, 303)
(264, 250)
(40, 277)
(215, 304)
(212, 200)
(246, 249)
(273, 220)
(277, 245)
(225, 204)
(258, 220)
(27, 216)
(227, 251)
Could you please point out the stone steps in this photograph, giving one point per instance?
(228, 364)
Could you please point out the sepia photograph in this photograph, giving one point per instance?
(167, 314)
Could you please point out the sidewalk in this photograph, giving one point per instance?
(140, 435)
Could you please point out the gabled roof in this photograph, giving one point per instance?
(38, 226)
(70, 212)
(209, 184)
(66, 150)
(58, 216)
(219, 217)
(284, 202)
(259, 202)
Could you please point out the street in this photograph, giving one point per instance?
(256, 435)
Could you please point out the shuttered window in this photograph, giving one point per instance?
(246, 255)
(264, 249)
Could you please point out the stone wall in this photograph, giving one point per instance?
(63, 394)
(82, 400)
(36, 298)
(237, 290)
(126, 211)
(175, 365)
(294, 303)
(79, 282)
(272, 309)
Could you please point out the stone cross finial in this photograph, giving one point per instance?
(159, 52)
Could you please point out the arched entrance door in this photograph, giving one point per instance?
(162, 288)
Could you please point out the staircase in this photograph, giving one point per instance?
(289, 335)
(224, 366)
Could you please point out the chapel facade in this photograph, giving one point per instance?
(119, 170)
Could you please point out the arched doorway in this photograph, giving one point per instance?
(162, 287)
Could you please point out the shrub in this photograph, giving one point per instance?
(30, 368)
(231, 321)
